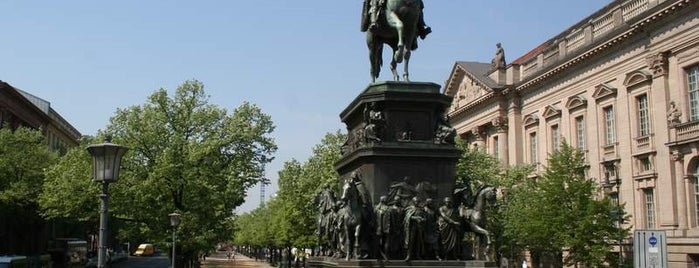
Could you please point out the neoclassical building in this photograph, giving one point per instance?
(623, 86)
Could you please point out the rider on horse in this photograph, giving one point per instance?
(374, 8)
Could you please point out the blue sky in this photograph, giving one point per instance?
(302, 62)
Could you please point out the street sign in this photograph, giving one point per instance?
(650, 249)
(652, 240)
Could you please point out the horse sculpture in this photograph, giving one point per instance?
(475, 216)
(398, 28)
(353, 217)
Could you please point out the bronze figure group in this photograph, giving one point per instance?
(406, 224)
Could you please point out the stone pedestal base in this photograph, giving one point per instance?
(320, 262)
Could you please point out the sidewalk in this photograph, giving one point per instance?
(221, 261)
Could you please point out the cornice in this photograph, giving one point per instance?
(604, 46)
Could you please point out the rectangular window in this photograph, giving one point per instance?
(555, 137)
(580, 132)
(609, 125)
(645, 164)
(615, 198)
(693, 88)
(643, 118)
(532, 148)
(650, 208)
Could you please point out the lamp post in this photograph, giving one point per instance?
(174, 221)
(106, 164)
(617, 212)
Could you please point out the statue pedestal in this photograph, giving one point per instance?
(319, 262)
(411, 112)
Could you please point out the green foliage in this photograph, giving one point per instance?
(561, 211)
(186, 155)
(290, 216)
(24, 155)
(68, 189)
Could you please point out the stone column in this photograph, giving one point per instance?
(666, 185)
(500, 124)
(681, 198)
(514, 133)
(479, 135)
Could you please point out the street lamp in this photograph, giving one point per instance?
(174, 221)
(617, 212)
(106, 163)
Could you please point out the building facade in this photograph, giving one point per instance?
(31, 234)
(623, 86)
(19, 108)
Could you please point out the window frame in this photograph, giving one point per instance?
(692, 72)
(609, 125)
(643, 115)
(649, 208)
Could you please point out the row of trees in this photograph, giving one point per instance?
(186, 155)
(288, 220)
(559, 216)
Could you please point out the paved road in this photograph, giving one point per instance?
(144, 262)
(219, 260)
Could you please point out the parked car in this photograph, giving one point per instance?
(14, 262)
(145, 250)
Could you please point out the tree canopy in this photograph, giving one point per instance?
(291, 213)
(186, 155)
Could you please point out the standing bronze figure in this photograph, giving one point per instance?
(396, 23)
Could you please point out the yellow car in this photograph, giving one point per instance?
(145, 250)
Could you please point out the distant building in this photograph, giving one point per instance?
(623, 86)
(19, 108)
(31, 235)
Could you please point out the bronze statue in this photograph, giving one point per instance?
(383, 226)
(324, 201)
(450, 230)
(432, 241)
(474, 216)
(396, 233)
(356, 216)
(402, 191)
(415, 226)
(445, 133)
(374, 121)
(396, 23)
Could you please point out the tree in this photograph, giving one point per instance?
(290, 216)
(24, 155)
(563, 212)
(186, 155)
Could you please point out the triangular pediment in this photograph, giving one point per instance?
(576, 102)
(530, 120)
(551, 112)
(603, 91)
(637, 77)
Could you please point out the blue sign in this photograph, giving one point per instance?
(652, 240)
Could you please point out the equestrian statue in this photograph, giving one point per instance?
(396, 23)
(472, 212)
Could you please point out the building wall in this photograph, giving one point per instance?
(19, 108)
(631, 70)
